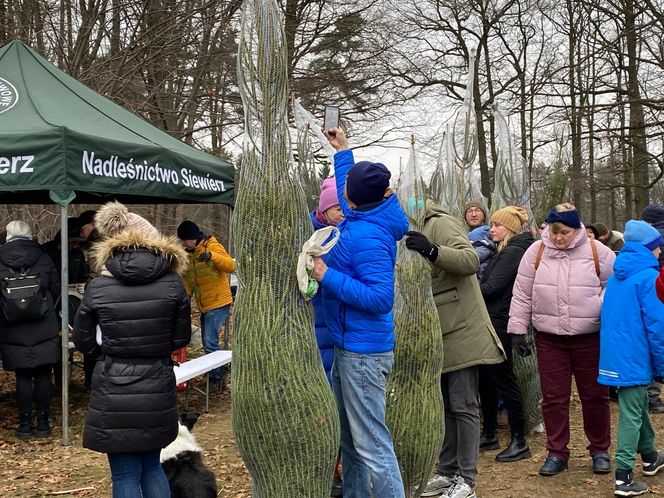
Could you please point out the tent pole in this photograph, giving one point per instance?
(64, 301)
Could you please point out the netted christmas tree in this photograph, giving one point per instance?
(414, 399)
(512, 188)
(284, 414)
(456, 169)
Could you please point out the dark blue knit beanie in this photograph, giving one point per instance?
(653, 213)
(367, 182)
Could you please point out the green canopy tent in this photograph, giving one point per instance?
(62, 142)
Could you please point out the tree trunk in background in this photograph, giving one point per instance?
(637, 130)
(573, 111)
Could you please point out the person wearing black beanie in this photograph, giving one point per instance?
(188, 230)
(207, 280)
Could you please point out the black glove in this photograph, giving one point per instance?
(520, 345)
(204, 257)
(418, 242)
(659, 378)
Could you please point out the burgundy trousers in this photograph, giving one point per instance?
(559, 358)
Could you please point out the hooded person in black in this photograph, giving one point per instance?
(30, 347)
(496, 286)
(136, 313)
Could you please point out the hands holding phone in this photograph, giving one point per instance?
(337, 138)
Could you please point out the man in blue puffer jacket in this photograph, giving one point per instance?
(632, 351)
(358, 295)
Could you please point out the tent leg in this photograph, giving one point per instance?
(64, 300)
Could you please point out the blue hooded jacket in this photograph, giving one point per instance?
(358, 287)
(323, 336)
(632, 322)
(480, 239)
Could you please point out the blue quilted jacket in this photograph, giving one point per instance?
(632, 323)
(358, 287)
(323, 336)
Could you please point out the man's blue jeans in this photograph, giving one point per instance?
(138, 475)
(211, 322)
(370, 466)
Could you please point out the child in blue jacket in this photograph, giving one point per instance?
(357, 285)
(632, 351)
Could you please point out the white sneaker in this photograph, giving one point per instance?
(437, 485)
(460, 489)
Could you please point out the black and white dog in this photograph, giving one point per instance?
(183, 464)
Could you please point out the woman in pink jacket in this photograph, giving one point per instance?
(559, 289)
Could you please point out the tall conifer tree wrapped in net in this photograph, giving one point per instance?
(284, 414)
(414, 399)
(512, 188)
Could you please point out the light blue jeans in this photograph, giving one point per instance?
(370, 466)
(137, 475)
(211, 322)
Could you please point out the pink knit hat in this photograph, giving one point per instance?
(114, 217)
(328, 195)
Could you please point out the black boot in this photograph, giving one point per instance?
(489, 442)
(24, 429)
(517, 450)
(43, 424)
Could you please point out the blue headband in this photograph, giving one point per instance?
(567, 218)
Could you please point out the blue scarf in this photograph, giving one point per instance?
(567, 218)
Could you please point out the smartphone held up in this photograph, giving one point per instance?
(331, 119)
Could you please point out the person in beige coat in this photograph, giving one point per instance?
(469, 340)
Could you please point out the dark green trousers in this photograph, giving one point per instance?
(635, 433)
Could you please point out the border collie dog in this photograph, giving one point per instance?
(182, 462)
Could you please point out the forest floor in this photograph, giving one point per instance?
(43, 467)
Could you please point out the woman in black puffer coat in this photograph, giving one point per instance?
(30, 348)
(136, 313)
(496, 286)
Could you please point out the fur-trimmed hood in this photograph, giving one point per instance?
(168, 247)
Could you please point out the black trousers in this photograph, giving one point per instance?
(496, 379)
(33, 382)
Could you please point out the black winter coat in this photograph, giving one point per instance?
(499, 277)
(143, 313)
(31, 343)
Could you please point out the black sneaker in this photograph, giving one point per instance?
(552, 466)
(652, 463)
(627, 486)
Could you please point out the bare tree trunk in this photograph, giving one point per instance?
(637, 129)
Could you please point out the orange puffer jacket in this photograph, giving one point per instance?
(208, 281)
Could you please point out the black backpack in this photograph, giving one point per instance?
(23, 297)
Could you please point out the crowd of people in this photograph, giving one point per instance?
(592, 298)
(134, 314)
(494, 286)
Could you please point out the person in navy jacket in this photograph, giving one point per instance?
(328, 214)
(357, 283)
(632, 351)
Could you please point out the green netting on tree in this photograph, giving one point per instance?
(414, 399)
(527, 376)
(284, 414)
